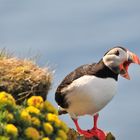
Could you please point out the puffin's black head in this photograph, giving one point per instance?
(118, 60)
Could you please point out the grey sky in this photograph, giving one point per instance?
(70, 33)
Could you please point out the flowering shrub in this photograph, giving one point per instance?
(34, 120)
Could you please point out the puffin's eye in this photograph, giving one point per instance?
(117, 53)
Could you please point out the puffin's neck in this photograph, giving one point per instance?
(104, 72)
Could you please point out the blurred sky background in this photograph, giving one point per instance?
(66, 34)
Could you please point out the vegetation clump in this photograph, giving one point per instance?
(23, 78)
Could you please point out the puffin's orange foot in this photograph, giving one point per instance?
(93, 133)
(98, 133)
(86, 133)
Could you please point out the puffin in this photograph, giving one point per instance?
(90, 87)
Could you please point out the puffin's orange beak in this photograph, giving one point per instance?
(132, 58)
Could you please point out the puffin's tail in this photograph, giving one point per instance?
(61, 111)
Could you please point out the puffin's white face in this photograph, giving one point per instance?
(115, 57)
(118, 59)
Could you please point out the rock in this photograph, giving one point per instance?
(73, 135)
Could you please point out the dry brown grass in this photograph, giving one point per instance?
(23, 78)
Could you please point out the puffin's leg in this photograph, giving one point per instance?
(86, 133)
(96, 116)
(97, 132)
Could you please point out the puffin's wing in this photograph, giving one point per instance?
(87, 69)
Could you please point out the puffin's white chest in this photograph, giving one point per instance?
(89, 94)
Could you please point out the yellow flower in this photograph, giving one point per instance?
(35, 121)
(48, 128)
(57, 123)
(9, 117)
(49, 107)
(45, 138)
(51, 117)
(32, 109)
(64, 127)
(6, 98)
(58, 138)
(62, 134)
(36, 101)
(4, 138)
(32, 133)
(11, 129)
(25, 116)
